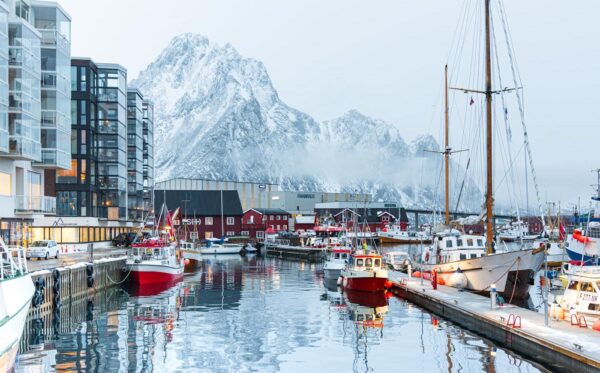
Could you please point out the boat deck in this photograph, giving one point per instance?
(561, 346)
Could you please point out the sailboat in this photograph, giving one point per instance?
(470, 261)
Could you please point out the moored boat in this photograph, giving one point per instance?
(394, 234)
(220, 247)
(189, 250)
(582, 293)
(16, 291)
(154, 260)
(365, 271)
(516, 231)
(336, 262)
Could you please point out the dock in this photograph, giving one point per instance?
(560, 346)
(283, 249)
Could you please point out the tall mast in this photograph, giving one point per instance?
(446, 145)
(489, 203)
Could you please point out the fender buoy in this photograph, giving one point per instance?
(186, 262)
(344, 282)
(387, 284)
(596, 325)
(339, 281)
(417, 274)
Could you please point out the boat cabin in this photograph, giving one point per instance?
(152, 249)
(452, 248)
(338, 254)
(366, 262)
(583, 293)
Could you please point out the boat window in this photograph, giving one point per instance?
(574, 285)
(344, 256)
(360, 317)
(463, 256)
(359, 262)
(369, 317)
(587, 286)
(377, 263)
(156, 252)
(469, 242)
(369, 262)
(594, 307)
(459, 243)
(448, 243)
(337, 255)
(480, 243)
(473, 256)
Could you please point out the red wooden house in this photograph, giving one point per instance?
(305, 222)
(203, 213)
(257, 220)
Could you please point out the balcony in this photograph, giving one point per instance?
(35, 205)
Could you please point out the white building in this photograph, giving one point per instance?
(34, 116)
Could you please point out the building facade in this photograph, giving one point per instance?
(112, 141)
(34, 112)
(256, 221)
(135, 169)
(148, 153)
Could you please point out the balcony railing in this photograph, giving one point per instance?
(35, 204)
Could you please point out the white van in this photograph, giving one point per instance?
(42, 249)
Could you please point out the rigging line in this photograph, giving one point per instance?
(506, 124)
(516, 80)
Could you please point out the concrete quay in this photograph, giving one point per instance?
(560, 346)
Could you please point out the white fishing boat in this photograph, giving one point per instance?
(516, 231)
(336, 262)
(582, 293)
(397, 260)
(365, 271)
(395, 234)
(16, 291)
(190, 251)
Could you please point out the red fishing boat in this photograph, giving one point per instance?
(157, 259)
(365, 271)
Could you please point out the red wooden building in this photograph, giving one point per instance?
(203, 213)
(256, 221)
(305, 222)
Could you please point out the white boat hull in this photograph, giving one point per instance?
(221, 249)
(16, 297)
(510, 271)
(192, 255)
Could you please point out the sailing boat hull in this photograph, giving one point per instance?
(512, 272)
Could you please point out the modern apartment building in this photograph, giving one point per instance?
(148, 152)
(34, 116)
(135, 169)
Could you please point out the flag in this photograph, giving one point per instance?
(471, 102)
(561, 232)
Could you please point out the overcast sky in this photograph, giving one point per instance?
(382, 58)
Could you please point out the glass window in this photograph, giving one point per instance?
(73, 142)
(469, 242)
(68, 176)
(369, 262)
(73, 78)
(70, 235)
(82, 112)
(74, 112)
(208, 220)
(5, 184)
(480, 243)
(459, 242)
(359, 262)
(448, 243)
(83, 81)
(473, 256)
(463, 256)
(230, 220)
(574, 285)
(37, 234)
(377, 262)
(83, 234)
(35, 184)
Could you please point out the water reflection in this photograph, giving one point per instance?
(251, 313)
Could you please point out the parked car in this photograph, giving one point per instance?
(125, 239)
(42, 249)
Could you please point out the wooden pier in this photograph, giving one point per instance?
(560, 346)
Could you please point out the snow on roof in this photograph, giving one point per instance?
(305, 219)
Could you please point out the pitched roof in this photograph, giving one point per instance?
(200, 202)
(270, 211)
(371, 215)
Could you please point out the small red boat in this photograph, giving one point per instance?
(156, 260)
(365, 271)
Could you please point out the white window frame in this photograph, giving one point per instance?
(230, 233)
(278, 217)
(260, 234)
(245, 233)
(208, 220)
(230, 220)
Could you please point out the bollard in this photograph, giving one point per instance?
(409, 271)
(493, 295)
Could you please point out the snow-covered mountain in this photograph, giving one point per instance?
(217, 115)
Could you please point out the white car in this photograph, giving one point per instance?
(42, 249)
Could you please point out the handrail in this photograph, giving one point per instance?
(10, 266)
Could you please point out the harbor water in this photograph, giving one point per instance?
(256, 314)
